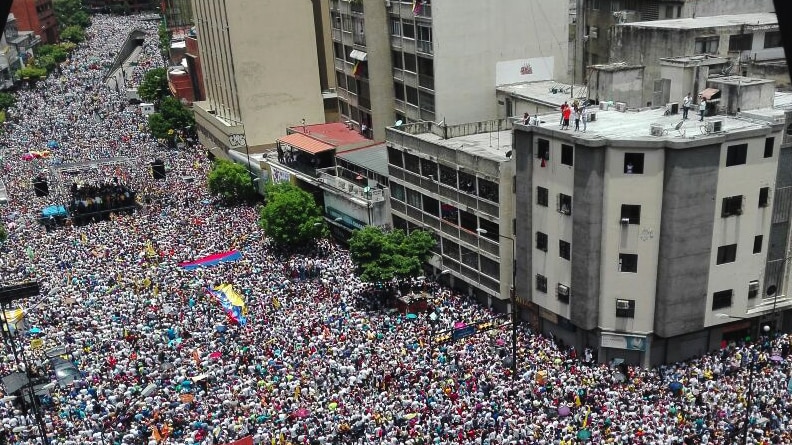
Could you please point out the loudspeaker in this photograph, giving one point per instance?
(40, 187)
(158, 169)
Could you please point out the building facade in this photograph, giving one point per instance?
(177, 14)
(456, 182)
(597, 19)
(9, 63)
(249, 98)
(650, 242)
(22, 42)
(36, 16)
(409, 61)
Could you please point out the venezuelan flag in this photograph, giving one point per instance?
(232, 303)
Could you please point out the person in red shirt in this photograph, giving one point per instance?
(566, 114)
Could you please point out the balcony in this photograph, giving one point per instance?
(426, 82)
(345, 181)
(423, 46)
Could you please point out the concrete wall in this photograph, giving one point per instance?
(707, 8)
(380, 68)
(745, 96)
(471, 37)
(781, 230)
(619, 86)
(690, 183)
(524, 198)
(324, 43)
(589, 184)
(275, 64)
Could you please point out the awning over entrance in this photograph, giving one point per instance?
(305, 143)
(709, 93)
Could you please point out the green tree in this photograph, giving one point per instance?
(57, 52)
(32, 73)
(154, 85)
(164, 38)
(73, 34)
(231, 181)
(291, 217)
(7, 100)
(71, 12)
(380, 255)
(172, 116)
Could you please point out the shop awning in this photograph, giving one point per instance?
(709, 93)
(305, 143)
(358, 55)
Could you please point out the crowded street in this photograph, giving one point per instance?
(318, 359)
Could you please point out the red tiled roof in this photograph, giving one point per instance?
(305, 143)
(336, 133)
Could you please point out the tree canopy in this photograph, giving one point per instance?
(7, 100)
(71, 12)
(172, 115)
(381, 255)
(32, 73)
(73, 34)
(154, 86)
(231, 181)
(291, 216)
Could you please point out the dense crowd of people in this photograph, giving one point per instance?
(319, 361)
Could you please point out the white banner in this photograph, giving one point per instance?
(524, 70)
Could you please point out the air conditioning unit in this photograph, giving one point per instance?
(622, 304)
(657, 130)
(672, 108)
(714, 125)
(753, 286)
(563, 291)
(592, 117)
(625, 221)
(621, 107)
(604, 106)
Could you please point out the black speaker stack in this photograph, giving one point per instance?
(158, 169)
(40, 186)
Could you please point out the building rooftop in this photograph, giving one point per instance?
(782, 100)
(739, 80)
(542, 92)
(636, 125)
(493, 145)
(336, 134)
(618, 66)
(717, 21)
(698, 59)
(374, 158)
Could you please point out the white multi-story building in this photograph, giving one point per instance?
(647, 237)
(440, 60)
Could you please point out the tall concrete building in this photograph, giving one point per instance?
(440, 60)
(260, 71)
(36, 16)
(652, 239)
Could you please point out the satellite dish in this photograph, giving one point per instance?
(771, 290)
(679, 125)
(398, 123)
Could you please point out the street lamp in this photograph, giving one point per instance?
(513, 299)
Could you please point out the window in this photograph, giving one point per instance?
(634, 163)
(764, 196)
(542, 195)
(431, 206)
(341, 80)
(414, 198)
(732, 206)
(707, 45)
(412, 95)
(541, 283)
(397, 59)
(740, 42)
(567, 154)
(336, 20)
(488, 190)
(773, 39)
(450, 249)
(395, 27)
(541, 241)
(753, 289)
(424, 33)
(628, 262)
(397, 192)
(427, 101)
(722, 299)
(468, 221)
(669, 12)
(630, 214)
(736, 155)
(467, 183)
(769, 143)
(625, 308)
(448, 176)
(410, 64)
(408, 29)
(726, 254)
(395, 157)
(543, 150)
(758, 239)
(564, 249)
(450, 214)
(562, 292)
(398, 91)
(564, 204)
(411, 163)
(338, 50)
(429, 168)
